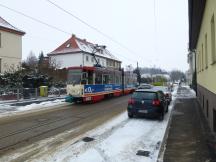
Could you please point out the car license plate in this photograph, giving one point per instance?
(143, 111)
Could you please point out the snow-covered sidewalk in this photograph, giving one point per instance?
(185, 93)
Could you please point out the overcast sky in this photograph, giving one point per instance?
(156, 36)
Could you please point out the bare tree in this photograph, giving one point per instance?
(177, 75)
(54, 64)
(129, 68)
(32, 60)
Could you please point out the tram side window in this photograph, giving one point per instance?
(126, 79)
(90, 77)
(84, 78)
(111, 79)
(98, 79)
(117, 81)
(106, 79)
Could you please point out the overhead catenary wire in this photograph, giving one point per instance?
(34, 19)
(92, 27)
(60, 30)
(155, 28)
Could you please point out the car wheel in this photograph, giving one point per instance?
(130, 115)
(167, 108)
(161, 117)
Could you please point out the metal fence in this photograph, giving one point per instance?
(29, 93)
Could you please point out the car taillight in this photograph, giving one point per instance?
(131, 101)
(156, 102)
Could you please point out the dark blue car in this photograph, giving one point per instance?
(147, 102)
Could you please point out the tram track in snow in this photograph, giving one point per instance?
(44, 129)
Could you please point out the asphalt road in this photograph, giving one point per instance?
(17, 132)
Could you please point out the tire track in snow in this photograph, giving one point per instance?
(98, 139)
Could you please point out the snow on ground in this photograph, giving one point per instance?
(117, 140)
(12, 110)
(186, 93)
(42, 104)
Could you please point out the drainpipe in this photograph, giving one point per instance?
(195, 71)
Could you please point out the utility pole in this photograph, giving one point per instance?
(138, 74)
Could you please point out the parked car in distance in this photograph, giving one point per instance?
(147, 102)
(145, 86)
(167, 92)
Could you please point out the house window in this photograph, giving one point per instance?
(199, 67)
(207, 108)
(92, 59)
(202, 59)
(203, 102)
(214, 120)
(87, 58)
(206, 51)
(200, 62)
(0, 65)
(109, 63)
(68, 45)
(0, 42)
(213, 40)
(197, 62)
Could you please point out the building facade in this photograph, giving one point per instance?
(79, 52)
(202, 19)
(10, 46)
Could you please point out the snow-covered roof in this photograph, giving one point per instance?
(146, 76)
(74, 45)
(8, 27)
(162, 75)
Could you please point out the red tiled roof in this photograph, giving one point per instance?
(74, 45)
(70, 46)
(6, 26)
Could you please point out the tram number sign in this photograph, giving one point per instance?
(88, 90)
(88, 98)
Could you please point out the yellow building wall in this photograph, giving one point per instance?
(10, 50)
(206, 77)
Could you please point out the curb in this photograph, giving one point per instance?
(163, 142)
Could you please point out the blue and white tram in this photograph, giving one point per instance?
(92, 84)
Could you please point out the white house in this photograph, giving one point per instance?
(80, 52)
(10, 46)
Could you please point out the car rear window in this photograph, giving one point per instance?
(144, 95)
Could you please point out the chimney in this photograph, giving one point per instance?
(73, 35)
(84, 40)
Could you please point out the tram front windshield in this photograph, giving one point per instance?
(74, 76)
